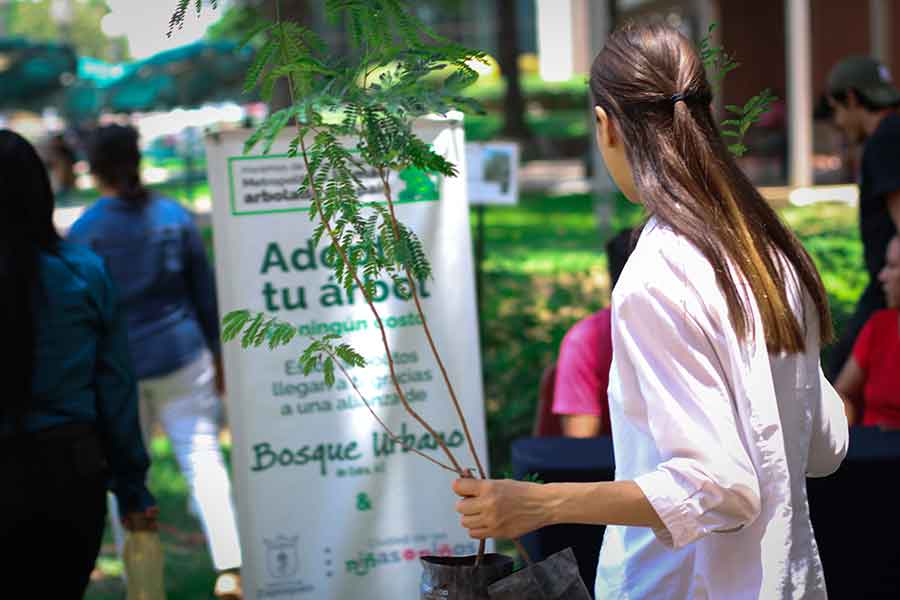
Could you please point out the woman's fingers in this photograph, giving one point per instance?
(472, 522)
(481, 528)
(469, 506)
(477, 508)
(467, 487)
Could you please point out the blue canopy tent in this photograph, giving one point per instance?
(86, 97)
(185, 77)
(182, 77)
(30, 72)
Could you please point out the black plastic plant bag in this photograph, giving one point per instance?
(554, 578)
(457, 578)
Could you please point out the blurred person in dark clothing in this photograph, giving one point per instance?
(864, 101)
(156, 256)
(69, 425)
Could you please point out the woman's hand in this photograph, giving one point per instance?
(503, 509)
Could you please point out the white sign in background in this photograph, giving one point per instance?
(493, 172)
(328, 507)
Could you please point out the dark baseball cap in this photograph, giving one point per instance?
(867, 76)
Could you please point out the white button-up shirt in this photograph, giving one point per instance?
(719, 435)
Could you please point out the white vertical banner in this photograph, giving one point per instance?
(329, 507)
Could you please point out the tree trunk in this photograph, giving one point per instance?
(508, 44)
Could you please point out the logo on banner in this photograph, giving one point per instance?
(272, 184)
(282, 558)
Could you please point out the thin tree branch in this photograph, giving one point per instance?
(434, 350)
(393, 436)
(343, 255)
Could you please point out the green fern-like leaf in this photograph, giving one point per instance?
(328, 371)
(255, 71)
(233, 323)
(350, 356)
(249, 337)
(282, 334)
(268, 130)
(737, 149)
(310, 358)
(180, 13)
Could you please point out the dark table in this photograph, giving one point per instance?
(854, 512)
(557, 459)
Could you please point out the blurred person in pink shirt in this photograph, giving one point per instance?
(585, 356)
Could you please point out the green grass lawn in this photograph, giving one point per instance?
(544, 269)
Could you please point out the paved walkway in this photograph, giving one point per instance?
(554, 177)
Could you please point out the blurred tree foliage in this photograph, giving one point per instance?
(236, 22)
(34, 20)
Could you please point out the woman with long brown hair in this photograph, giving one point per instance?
(718, 405)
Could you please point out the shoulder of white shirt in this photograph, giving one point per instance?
(665, 262)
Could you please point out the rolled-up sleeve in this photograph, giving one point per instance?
(705, 481)
(117, 407)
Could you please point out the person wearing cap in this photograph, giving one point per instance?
(864, 101)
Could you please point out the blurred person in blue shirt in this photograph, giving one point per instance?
(156, 257)
(69, 425)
